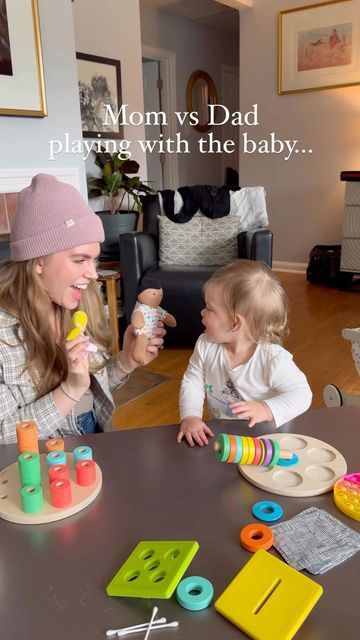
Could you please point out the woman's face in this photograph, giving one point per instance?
(66, 275)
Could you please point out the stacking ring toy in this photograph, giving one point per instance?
(194, 593)
(258, 451)
(263, 452)
(232, 454)
(269, 452)
(267, 511)
(239, 449)
(288, 463)
(247, 450)
(56, 457)
(82, 453)
(251, 457)
(223, 450)
(276, 453)
(256, 536)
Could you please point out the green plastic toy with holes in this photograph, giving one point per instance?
(153, 569)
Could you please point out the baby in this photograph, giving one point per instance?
(238, 362)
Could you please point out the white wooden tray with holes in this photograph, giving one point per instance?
(320, 466)
(10, 497)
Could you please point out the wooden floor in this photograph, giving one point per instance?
(318, 315)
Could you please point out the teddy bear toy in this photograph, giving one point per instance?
(146, 315)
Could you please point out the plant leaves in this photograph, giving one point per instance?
(115, 179)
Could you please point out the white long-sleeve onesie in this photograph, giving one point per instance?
(270, 375)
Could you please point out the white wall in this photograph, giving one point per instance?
(304, 194)
(196, 47)
(25, 141)
(111, 29)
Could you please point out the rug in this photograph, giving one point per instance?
(139, 383)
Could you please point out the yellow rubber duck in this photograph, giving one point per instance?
(79, 322)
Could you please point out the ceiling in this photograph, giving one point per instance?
(207, 12)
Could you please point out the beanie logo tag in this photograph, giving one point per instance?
(70, 222)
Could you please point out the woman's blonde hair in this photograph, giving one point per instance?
(249, 288)
(22, 296)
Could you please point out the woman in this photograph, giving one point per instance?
(62, 385)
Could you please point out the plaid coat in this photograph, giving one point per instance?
(18, 397)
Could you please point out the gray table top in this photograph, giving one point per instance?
(53, 576)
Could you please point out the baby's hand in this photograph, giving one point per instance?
(252, 411)
(193, 428)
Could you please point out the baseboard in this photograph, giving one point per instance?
(290, 267)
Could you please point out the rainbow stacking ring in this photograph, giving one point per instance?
(245, 450)
(263, 453)
(258, 451)
(268, 452)
(224, 450)
(238, 449)
(233, 448)
(194, 593)
(267, 511)
(276, 453)
(251, 451)
(256, 536)
(288, 463)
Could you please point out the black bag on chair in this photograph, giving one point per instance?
(324, 264)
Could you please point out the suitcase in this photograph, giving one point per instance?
(324, 264)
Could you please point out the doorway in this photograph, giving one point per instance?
(152, 84)
(159, 83)
(231, 98)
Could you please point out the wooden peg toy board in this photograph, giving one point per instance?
(320, 466)
(153, 569)
(10, 497)
(268, 599)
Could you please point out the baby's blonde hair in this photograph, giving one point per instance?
(249, 288)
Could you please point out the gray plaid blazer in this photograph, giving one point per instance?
(18, 397)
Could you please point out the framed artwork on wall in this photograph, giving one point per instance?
(22, 87)
(319, 46)
(100, 96)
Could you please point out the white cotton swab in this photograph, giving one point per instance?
(154, 627)
(140, 627)
(155, 610)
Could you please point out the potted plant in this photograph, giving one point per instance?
(121, 189)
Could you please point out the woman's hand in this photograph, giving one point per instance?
(152, 350)
(78, 379)
(253, 411)
(194, 429)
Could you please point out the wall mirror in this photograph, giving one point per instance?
(200, 92)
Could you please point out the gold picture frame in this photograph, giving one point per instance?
(200, 93)
(319, 46)
(22, 86)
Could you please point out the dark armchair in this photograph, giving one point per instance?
(182, 285)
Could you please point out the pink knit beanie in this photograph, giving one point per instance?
(50, 217)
